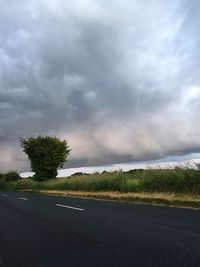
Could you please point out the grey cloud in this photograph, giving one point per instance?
(108, 76)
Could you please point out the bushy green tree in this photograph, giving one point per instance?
(46, 154)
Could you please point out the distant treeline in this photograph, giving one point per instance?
(104, 172)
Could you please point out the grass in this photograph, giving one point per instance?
(166, 199)
(96, 182)
(160, 180)
(180, 184)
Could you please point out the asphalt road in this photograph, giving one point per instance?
(56, 231)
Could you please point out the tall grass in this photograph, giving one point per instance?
(177, 180)
(160, 180)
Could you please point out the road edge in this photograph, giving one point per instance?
(158, 199)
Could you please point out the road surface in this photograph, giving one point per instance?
(56, 231)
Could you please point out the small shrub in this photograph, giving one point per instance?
(12, 176)
(78, 174)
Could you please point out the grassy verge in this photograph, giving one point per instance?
(173, 200)
(163, 186)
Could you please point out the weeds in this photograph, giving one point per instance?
(160, 180)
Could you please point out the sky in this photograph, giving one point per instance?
(119, 80)
(168, 163)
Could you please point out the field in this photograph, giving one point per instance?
(160, 180)
(154, 184)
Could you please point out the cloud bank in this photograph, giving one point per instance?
(118, 79)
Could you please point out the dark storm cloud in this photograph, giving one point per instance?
(117, 79)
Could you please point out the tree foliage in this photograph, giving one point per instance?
(46, 154)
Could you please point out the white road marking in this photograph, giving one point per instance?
(4, 195)
(23, 198)
(68, 207)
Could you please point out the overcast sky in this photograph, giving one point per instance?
(119, 79)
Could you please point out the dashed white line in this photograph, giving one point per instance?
(4, 195)
(23, 198)
(68, 207)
